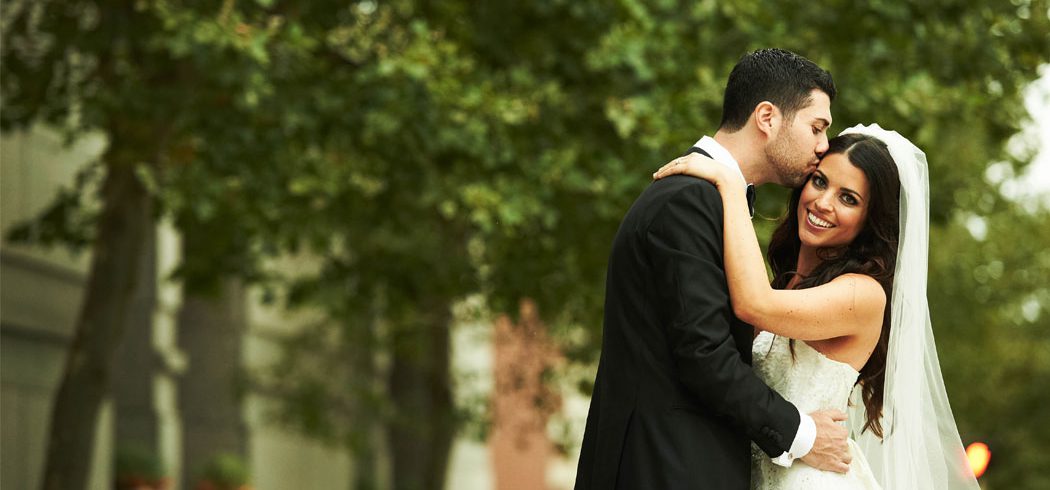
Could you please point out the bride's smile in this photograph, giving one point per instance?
(815, 221)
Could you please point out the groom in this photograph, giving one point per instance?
(675, 403)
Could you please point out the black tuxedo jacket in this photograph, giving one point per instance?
(675, 402)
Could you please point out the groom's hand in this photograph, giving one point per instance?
(830, 451)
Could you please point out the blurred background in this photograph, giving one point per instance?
(362, 245)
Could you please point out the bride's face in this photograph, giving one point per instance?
(833, 204)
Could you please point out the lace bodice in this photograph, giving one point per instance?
(812, 382)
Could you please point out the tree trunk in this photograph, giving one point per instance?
(364, 462)
(364, 453)
(421, 386)
(211, 331)
(121, 231)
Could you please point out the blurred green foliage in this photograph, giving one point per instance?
(137, 462)
(427, 151)
(225, 472)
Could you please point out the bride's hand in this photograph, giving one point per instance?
(696, 165)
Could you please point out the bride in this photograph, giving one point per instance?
(845, 324)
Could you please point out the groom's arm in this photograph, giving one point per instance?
(685, 245)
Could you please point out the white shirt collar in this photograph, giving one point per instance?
(719, 154)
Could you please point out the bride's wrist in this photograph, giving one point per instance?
(732, 185)
(727, 182)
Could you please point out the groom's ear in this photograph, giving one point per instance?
(766, 118)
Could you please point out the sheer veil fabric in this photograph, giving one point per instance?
(922, 448)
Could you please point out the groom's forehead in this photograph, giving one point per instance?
(819, 107)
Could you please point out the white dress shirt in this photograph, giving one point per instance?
(807, 429)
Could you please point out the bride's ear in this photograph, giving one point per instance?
(766, 118)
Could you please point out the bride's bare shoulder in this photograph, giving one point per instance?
(869, 298)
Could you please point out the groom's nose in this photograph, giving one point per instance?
(822, 146)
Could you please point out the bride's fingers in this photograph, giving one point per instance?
(665, 171)
(677, 166)
(662, 170)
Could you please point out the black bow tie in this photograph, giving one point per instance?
(751, 199)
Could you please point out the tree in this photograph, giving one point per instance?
(149, 76)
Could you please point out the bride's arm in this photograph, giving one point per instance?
(847, 305)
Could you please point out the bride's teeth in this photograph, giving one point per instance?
(817, 221)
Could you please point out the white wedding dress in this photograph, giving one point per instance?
(812, 382)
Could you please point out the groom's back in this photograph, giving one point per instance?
(644, 428)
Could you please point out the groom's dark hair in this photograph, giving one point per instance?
(783, 78)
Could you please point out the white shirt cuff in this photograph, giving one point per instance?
(803, 443)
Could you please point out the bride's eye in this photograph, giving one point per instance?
(818, 182)
(849, 199)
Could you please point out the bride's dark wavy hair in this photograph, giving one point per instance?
(873, 252)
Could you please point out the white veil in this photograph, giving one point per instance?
(922, 449)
